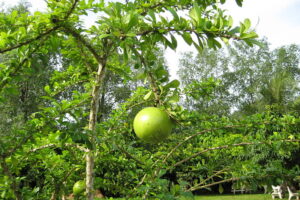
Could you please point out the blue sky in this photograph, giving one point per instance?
(291, 14)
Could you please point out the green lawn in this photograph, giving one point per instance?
(237, 197)
(231, 197)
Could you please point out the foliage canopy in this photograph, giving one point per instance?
(55, 75)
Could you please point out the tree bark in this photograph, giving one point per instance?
(90, 175)
(90, 157)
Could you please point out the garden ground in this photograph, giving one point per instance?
(237, 197)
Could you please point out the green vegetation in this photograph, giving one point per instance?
(69, 94)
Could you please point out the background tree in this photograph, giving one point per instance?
(207, 74)
(250, 78)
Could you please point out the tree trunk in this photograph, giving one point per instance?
(90, 175)
(92, 125)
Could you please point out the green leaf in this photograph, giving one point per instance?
(242, 28)
(137, 65)
(230, 21)
(152, 15)
(125, 55)
(247, 24)
(140, 76)
(148, 95)
(174, 99)
(47, 89)
(172, 84)
(161, 72)
(134, 19)
(169, 44)
(12, 90)
(104, 36)
(195, 13)
(217, 43)
(161, 89)
(251, 41)
(130, 34)
(249, 35)
(235, 30)
(174, 41)
(187, 38)
(239, 2)
(174, 13)
(221, 189)
(117, 33)
(198, 11)
(198, 47)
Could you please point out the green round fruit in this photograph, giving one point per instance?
(152, 125)
(79, 187)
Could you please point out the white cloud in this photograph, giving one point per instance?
(267, 15)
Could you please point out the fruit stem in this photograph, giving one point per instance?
(154, 89)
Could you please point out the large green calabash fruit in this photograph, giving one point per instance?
(152, 125)
(79, 187)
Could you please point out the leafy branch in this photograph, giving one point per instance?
(81, 148)
(41, 35)
(20, 65)
(128, 154)
(229, 146)
(212, 184)
(194, 135)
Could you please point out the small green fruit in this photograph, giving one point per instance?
(152, 125)
(79, 187)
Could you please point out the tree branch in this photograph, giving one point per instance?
(84, 42)
(210, 177)
(194, 135)
(81, 148)
(215, 183)
(162, 5)
(47, 32)
(229, 146)
(19, 66)
(129, 155)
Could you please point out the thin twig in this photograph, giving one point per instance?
(215, 183)
(19, 66)
(84, 42)
(196, 134)
(38, 37)
(212, 176)
(229, 146)
(81, 148)
(129, 155)
(49, 31)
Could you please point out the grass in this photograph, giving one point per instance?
(237, 197)
(230, 197)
